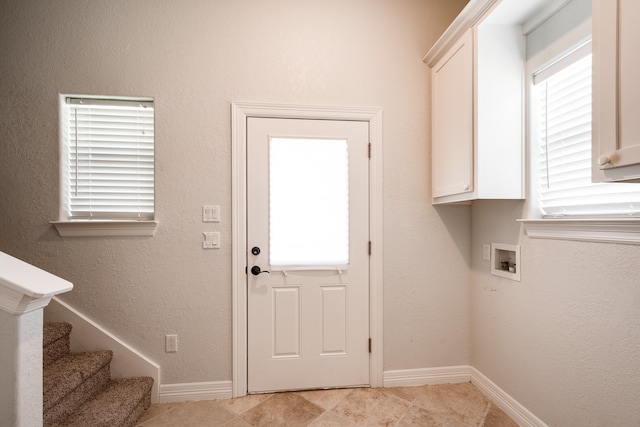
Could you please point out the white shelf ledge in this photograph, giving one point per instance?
(620, 230)
(105, 228)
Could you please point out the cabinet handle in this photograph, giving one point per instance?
(603, 160)
(466, 187)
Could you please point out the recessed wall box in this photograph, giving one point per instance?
(505, 261)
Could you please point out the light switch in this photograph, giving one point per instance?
(211, 240)
(211, 213)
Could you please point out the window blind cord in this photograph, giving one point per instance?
(75, 111)
(546, 132)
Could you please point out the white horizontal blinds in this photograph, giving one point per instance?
(308, 202)
(564, 100)
(110, 171)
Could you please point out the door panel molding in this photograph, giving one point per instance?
(240, 112)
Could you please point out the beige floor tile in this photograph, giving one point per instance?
(329, 419)
(419, 417)
(203, 414)
(371, 407)
(452, 405)
(460, 402)
(241, 405)
(283, 409)
(406, 393)
(236, 422)
(157, 409)
(497, 418)
(326, 399)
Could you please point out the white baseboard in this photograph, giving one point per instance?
(461, 374)
(427, 376)
(195, 391)
(87, 335)
(508, 404)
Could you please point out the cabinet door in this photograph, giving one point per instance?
(616, 90)
(452, 112)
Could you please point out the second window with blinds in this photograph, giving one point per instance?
(562, 171)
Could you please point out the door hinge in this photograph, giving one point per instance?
(369, 345)
(369, 150)
(369, 247)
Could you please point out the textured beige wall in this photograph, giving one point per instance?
(565, 341)
(195, 58)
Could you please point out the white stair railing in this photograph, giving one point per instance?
(24, 291)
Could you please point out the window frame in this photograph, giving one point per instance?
(106, 227)
(603, 229)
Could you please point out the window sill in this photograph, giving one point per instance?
(105, 228)
(619, 230)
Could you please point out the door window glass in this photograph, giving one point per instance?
(308, 202)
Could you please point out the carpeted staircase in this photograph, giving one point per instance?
(78, 389)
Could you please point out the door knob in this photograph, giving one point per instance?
(255, 270)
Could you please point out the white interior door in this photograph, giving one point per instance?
(308, 254)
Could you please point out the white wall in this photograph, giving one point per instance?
(565, 341)
(195, 58)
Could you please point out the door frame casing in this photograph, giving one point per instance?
(240, 112)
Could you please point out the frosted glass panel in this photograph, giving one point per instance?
(308, 202)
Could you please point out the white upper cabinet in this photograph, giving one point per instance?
(616, 91)
(452, 100)
(477, 89)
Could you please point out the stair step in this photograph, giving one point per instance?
(55, 341)
(121, 403)
(71, 380)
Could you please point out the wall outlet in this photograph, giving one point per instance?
(171, 343)
(486, 252)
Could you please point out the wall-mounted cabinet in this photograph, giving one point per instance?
(616, 60)
(478, 101)
(452, 105)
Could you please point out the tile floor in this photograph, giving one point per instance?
(458, 405)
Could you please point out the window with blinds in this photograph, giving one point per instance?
(565, 189)
(107, 158)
